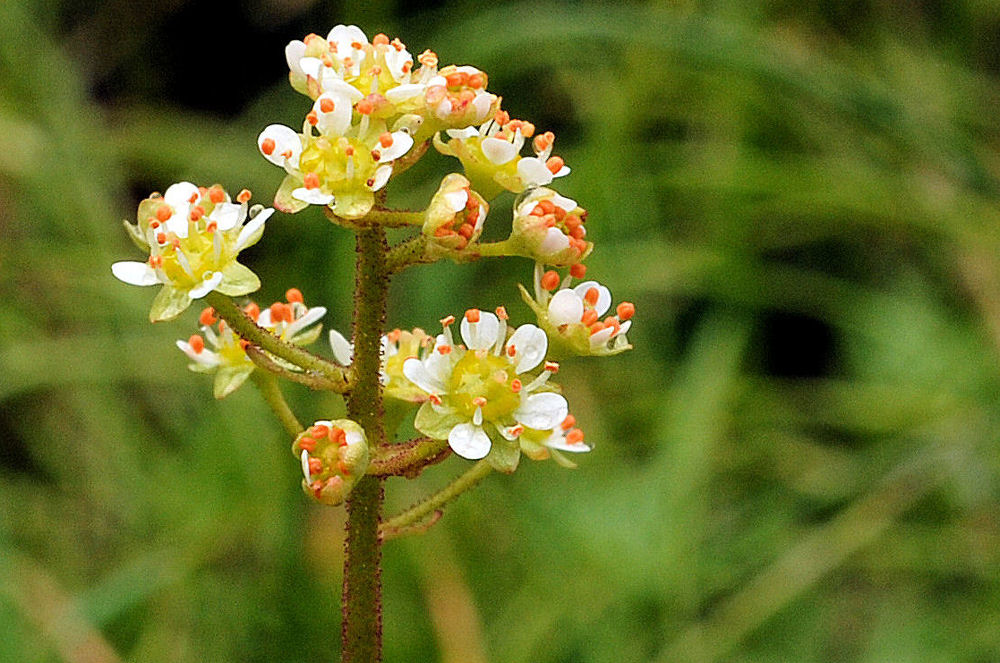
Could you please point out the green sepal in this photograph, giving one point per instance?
(169, 303)
(504, 456)
(237, 280)
(308, 336)
(135, 235)
(229, 378)
(353, 204)
(283, 199)
(561, 459)
(435, 424)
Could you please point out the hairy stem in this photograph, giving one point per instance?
(269, 389)
(409, 458)
(434, 502)
(311, 380)
(243, 325)
(361, 602)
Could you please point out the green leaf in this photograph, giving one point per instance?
(504, 456)
(435, 424)
(283, 200)
(237, 280)
(229, 378)
(169, 303)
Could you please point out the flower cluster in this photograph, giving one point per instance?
(334, 455)
(193, 235)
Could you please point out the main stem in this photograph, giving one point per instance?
(361, 601)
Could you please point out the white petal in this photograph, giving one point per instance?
(558, 441)
(554, 241)
(312, 196)
(480, 335)
(226, 215)
(562, 172)
(417, 373)
(602, 337)
(305, 465)
(250, 230)
(461, 134)
(401, 144)
(566, 204)
(343, 351)
(381, 177)
(264, 319)
(456, 200)
(135, 273)
(483, 103)
(311, 316)
(401, 93)
(542, 411)
(206, 286)
(498, 151)
(346, 35)
(206, 357)
(179, 196)
(285, 141)
(625, 327)
(530, 344)
(397, 61)
(294, 52)
(566, 307)
(339, 87)
(533, 172)
(469, 441)
(311, 66)
(603, 295)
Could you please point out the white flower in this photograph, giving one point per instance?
(477, 385)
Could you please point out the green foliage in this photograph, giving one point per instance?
(797, 462)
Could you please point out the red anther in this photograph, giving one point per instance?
(516, 386)
(319, 431)
(194, 196)
(502, 313)
(578, 271)
(568, 422)
(370, 182)
(589, 317)
(311, 181)
(514, 125)
(550, 220)
(456, 79)
(473, 217)
(244, 344)
(477, 81)
(356, 45)
(407, 66)
(552, 366)
(216, 194)
(516, 431)
(538, 210)
(365, 107)
(161, 238)
(385, 140)
(307, 443)
(380, 39)
(326, 105)
(344, 469)
(479, 401)
(472, 315)
(501, 117)
(312, 118)
(550, 280)
(447, 321)
(154, 224)
(315, 466)
(511, 350)
(287, 154)
(376, 155)
(575, 436)
(596, 327)
(294, 295)
(349, 150)
(156, 262)
(548, 207)
(338, 436)
(434, 398)
(163, 212)
(252, 311)
(578, 232)
(197, 343)
(625, 310)
(243, 196)
(467, 230)
(444, 349)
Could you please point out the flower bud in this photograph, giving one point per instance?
(550, 228)
(334, 455)
(455, 216)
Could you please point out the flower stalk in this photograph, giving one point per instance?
(429, 505)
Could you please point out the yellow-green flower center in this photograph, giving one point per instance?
(342, 164)
(480, 374)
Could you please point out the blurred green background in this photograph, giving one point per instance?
(798, 462)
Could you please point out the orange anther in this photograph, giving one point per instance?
(515, 386)
(311, 181)
(612, 321)
(376, 71)
(472, 217)
(294, 295)
(197, 213)
(243, 196)
(252, 311)
(326, 105)
(537, 210)
(356, 45)
(589, 317)
(550, 280)
(479, 401)
(344, 469)
(550, 221)
(516, 430)
(338, 436)
(156, 262)
(444, 349)
(477, 81)
(161, 238)
(154, 224)
(164, 212)
(501, 117)
(447, 321)
(349, 150)
(527, 129)
(548, 207)
(216, 194)
(591, 296)
(596, 327)
(434, 398)
(443, 231)
(197, 343)
(578, 271)
(467, 230)
(194, 196)
(625, 310)
(568, 422)
(472, 315)
(407, 66)
(575, 436)
(554, 164)
(315, 466)
(312, 118)
(319, 430)
(385, 140)
(456, 79)
(244, 344)
(578, 232)
(398, 45)
(428, 58)
(394, 336)
(287, 154)
(365, 107)
(552, 366)
(501, 313)
(307, 443)
(572, 221)
(511, 350)
(380, 39)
